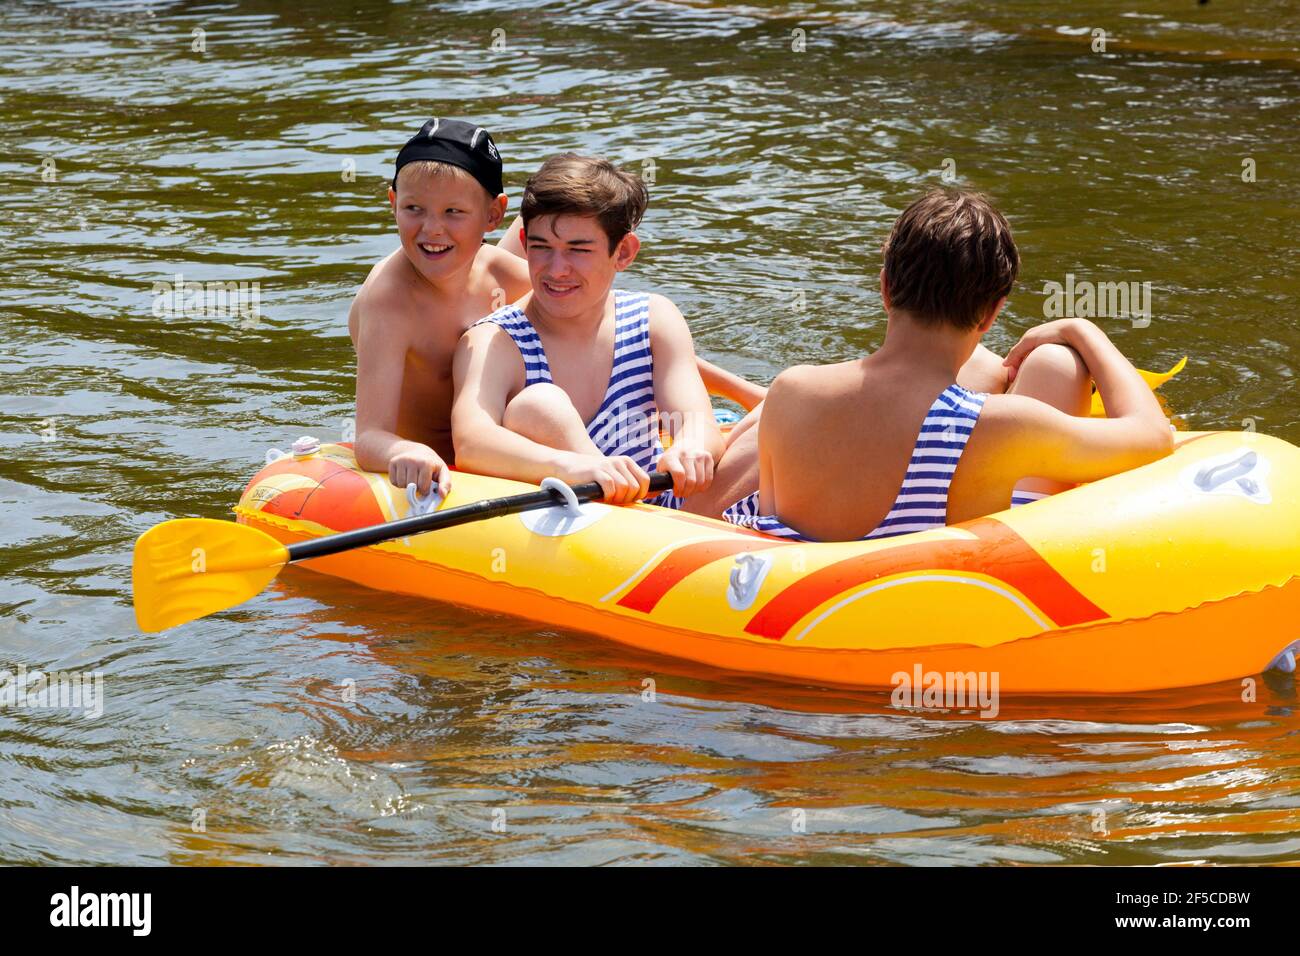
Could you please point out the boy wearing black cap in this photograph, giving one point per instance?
(405, 320)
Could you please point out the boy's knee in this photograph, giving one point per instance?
(544, 413)
(1058, 375)
(1055, 361)
(535, 405)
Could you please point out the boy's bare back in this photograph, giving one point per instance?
(859, 420)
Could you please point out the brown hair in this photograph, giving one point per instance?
(950, 258)
(575, 185)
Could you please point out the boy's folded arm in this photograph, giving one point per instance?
(679, 390)
(1049, 443)
(1045, 442)
(483, 371)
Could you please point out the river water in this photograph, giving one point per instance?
(250, 141)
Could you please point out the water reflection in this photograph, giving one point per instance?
(323, 723)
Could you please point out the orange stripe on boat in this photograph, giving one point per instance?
(686, 559)
(1018, 564)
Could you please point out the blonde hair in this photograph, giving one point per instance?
(427, 170)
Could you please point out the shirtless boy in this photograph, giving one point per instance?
(575, 379)
(891, 457)
(415, 304)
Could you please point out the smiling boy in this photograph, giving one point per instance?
(575, 379)
(446, 195)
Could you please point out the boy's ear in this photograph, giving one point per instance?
(626, 250)
(992, 316)
(497, 212)
(392, 199)
(884, 290)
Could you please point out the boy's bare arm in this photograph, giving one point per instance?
(683, 401)
(484, 370)
(1046, 442)
(381, 360)
(784, 399)
(718, 381)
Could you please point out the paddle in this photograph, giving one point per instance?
(191, 567)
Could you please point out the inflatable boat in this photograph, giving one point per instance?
(1179, 573)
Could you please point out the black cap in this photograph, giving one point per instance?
(459, 144)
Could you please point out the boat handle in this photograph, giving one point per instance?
(746, 578)
(1212, 476)
(571, 506)
(425, 505)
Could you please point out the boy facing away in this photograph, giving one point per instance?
(899, 445)
(415, 304)
(575, 380)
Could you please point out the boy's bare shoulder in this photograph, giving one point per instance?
(385, 293)
(661, 304)
(506, 269)
(809, 381)
(788, 395)
(667, 324)
(983, 372)
(481, 334)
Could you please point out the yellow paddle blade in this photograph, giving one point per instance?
(191, 567)
(1153, 379)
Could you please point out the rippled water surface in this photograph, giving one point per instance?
(129, 156)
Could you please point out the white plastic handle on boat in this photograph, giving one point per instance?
(1241, 474)
(422, 506)
(1212, 476)
(746, 578)
(571, 506)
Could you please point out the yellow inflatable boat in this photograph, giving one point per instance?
(1179, 573)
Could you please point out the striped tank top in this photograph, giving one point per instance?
(627, 422)
(922, 501)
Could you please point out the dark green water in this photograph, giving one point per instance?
(776, 174)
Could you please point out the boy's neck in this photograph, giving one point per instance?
(454, 286)
(941, 348)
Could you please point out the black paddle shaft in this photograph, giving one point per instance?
(474, 511)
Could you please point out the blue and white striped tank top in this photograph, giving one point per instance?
(922, 501)
(627, 422)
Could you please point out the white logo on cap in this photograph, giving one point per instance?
(432, 129)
